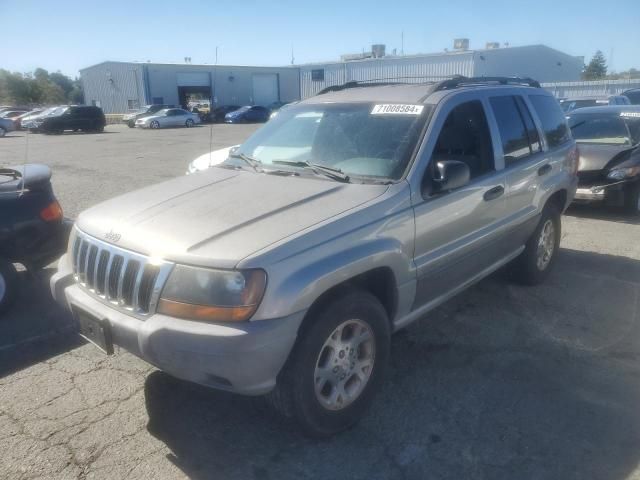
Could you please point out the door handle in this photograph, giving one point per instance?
(494, 193)
(543, 170)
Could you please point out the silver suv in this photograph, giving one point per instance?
(284, 270)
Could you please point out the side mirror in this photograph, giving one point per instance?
(453, 174)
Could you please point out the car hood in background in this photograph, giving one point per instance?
(597, 156)
(207, 160)
(146, 118)
(218, 217)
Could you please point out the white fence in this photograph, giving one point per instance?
(591, 88)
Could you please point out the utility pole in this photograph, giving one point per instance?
(216, 55)
(402, 43)
(292, 57)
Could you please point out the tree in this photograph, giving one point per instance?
(597, 67)
(39, 88)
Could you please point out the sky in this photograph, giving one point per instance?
(68, 35)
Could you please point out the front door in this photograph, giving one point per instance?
(458, 232)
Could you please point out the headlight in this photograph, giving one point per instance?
(212, 295)
(622, 173)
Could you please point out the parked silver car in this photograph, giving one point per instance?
(169, 117)
(284, 270)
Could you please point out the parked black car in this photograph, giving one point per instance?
(248, 114)
(85, 118)
(33, 231)
(130, 118)
(608, 140)
(218, 113)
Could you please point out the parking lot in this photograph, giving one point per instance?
(502, 382)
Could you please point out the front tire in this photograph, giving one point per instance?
(336, 366)
(155, 125)
(8, 285)
(540, 253)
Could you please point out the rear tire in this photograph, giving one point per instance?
(131, 124)
(541, 250)
(336, 366)
(632, 199)
(188, 123)
(8, 285)
(3, 132)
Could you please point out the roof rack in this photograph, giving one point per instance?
(460, 81)
(354, 84)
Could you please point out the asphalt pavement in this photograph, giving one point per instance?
(502, 382)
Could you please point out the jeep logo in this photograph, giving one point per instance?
(112, 236)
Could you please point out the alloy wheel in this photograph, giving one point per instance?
(546, 245)
(344, 365)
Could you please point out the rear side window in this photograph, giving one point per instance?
(633, 96)
(552, 118)
(514, 135)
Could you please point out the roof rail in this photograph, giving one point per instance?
(460, 81)
(354, 84)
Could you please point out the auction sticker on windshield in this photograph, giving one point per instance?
(630, 114)
(397, 109)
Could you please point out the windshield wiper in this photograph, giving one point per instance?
(252, 162)
(330, 172)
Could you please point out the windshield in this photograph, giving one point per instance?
(606, 129)
(348, 137)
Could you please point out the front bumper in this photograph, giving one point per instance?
(239, 357)
(609, 193)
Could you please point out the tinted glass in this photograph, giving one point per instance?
(532, 131)
(513, 133)
(465, 137)
(553, 120)
(633, 96)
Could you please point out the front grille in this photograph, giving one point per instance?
(588, 178)
(127, 280)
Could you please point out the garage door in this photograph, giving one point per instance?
(265, 88)
(194, 79)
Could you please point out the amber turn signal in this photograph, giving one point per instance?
(206, 313)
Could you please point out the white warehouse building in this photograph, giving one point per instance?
(539, 62)
(119, 87)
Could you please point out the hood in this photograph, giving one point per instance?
(219, 216)
(596, 157)
(146, 118)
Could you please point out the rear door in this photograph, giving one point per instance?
(458, 232)
(525, 163)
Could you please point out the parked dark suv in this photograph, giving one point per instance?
(85, 118)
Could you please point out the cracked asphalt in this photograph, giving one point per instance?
(502, 382)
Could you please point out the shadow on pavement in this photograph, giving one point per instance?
(602, 212)
(502, 382)
(35, 328)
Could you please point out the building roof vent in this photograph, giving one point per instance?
(492, 45)
(378, 50)
(461, 44)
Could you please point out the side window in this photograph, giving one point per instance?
(515, 139)
(552, 118)
(532, 131)
(465, 137)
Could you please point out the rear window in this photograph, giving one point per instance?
(552, 118)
